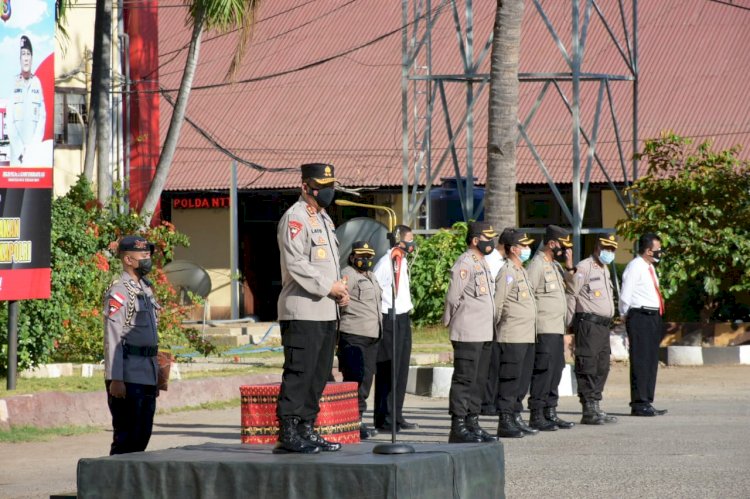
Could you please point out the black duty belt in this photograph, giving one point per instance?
(140, 351)
(645, 310)
(596, 319)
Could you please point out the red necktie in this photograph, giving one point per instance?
(656, 285)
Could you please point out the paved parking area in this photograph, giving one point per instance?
(700, 449)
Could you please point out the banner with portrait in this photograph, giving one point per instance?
(27, 104)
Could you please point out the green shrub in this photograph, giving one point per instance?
(68, 326)
(431, 272)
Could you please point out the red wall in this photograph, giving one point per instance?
(141, 24)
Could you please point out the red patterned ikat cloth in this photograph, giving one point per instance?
(338, 419)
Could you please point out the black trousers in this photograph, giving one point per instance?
(516, 365)
(383, 385)
(357, 356)
(132, 417)
(308, 359)
(549, 362)
(489, 400)
(471, 361)
(645, 333)
(592, 359)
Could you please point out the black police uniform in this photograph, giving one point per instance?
(130, 347)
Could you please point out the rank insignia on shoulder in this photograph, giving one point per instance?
(295, 228)
(116, 301)
(311, 210)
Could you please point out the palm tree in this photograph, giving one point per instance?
(98, 129)
(217, 15)
(502, 131)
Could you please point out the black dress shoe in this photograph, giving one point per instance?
(643, 411)
(659, 412)
(366, 432)
(405, 425)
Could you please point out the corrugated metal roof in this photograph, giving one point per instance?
(693, 74)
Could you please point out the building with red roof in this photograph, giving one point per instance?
(322, 82)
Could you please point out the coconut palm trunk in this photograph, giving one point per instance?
(502, 130)
(175, 123)
(220, 15)
(103, 109)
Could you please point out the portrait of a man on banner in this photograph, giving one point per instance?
(26, 83)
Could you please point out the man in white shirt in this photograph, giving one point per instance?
(642, 305)
(392, 264)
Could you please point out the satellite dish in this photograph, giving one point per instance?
(187, 276)
(362, 229)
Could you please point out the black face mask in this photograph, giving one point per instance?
(324, 198)
(144, 266)
(657, 256)
(559, 254)
(408, 247)
(362, 263)
(485, 247)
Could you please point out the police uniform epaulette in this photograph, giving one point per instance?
(112, 285)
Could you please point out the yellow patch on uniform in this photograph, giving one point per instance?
(482, 289)
(321, 240)
(477, 267)
(463, 274)
(321, 253)
(552, 286)
(597, 293)
(524, 294)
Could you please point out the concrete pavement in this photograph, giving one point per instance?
(700, 449)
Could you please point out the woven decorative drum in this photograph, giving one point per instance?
(338, 419)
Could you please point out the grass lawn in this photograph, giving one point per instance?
(32, 434)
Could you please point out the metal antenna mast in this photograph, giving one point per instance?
(427, 96)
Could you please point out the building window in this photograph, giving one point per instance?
(71, 116)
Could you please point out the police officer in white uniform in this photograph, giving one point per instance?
(26, 113)
(548, 280)
(130, 347)
(516, 333)
(361, 326)
(311, 292)
(591, 306)
(470, 316)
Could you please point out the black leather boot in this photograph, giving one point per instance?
(603, 415)
(472, 424)
(521, 425)
(590, 415)
(308, 433)
(290, 440)
(460, 434)
(540, 422)
(551, 414)
(507, 428)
